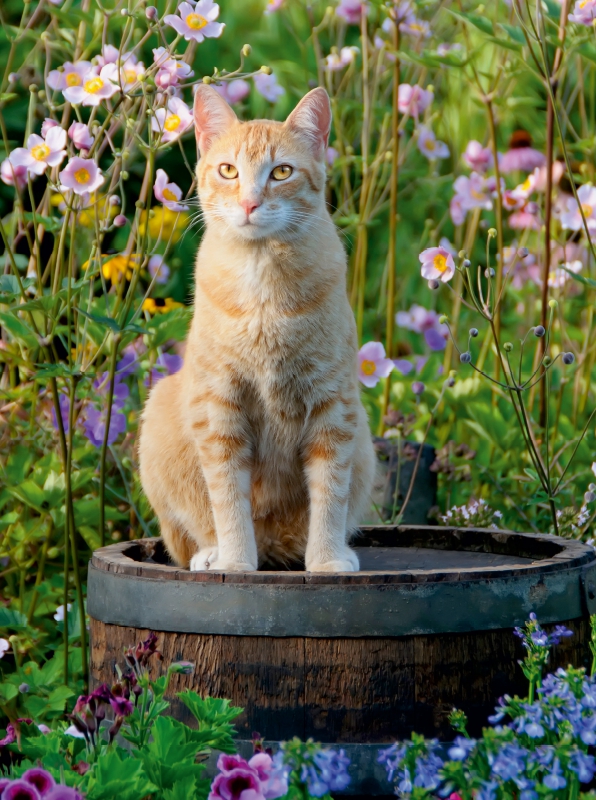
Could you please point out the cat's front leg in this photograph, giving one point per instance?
(328, 457)
(225, 454)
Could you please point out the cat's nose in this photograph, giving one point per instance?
(249, 206)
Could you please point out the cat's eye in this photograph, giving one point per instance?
(282, 172)
(228, 171)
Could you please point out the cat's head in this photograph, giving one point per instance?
(261, 179)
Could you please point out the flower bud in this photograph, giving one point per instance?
(140, 204)
(465, 358)
(13, 77)
(450, 382)
(592, 487)
(33, 88)
(266, 70)
(539, 331)
(507, 347)
(418, 387)
(461, 254)
(443, 319)
(24, 688)
(433, 284)
(523, 252)
(553, 303)
(114, 200)
(150, 88)
(41, 94)
(473, 332)
(547, 361)
(125, 13)
(246, 50)
(489, 272)
(53, 552)
(151, 12)
(124, 175)
(492, 232)
(466, 263)
(568, 358)
(589, 497)
(207, 80)
(120, 220)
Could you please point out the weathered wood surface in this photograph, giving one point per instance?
(338, 689)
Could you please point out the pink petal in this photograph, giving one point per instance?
(56, 138)
(372, 351)
(21, 157)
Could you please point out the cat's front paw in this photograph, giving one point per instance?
(345, 561)
(221, 565)
(204, 559)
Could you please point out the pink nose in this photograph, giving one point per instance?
(249, 206)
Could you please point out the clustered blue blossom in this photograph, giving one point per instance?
(328, 772)
(534, 745)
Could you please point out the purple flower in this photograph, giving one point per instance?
(334, 768)
(158, 269)
(166, 364)
(95, 425)
(39, 778)
(435, 339)
(237, 784)
(403, 366)
(61, 792)
(268, 86)
(233, 91)
(413, 100)
(584, 12)
(122, 707)
(316, 786)
(20, 790)
(64, 404)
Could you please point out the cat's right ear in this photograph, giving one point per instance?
(213, 116)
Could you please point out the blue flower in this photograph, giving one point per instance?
(405, 785)
(488, 791)
(334, 768)
(584, 765)
(316, 787)
(555, 780)
(462, 747)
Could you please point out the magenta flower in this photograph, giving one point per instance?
(571, 218)
(41, 153)
(272, 773)
(168, 193)
(71, 74)
(80, 135)
(122, 707)
(158, 269)
(351, 10)
(82, 175)
(268, 86)
(46, 125)
(20, 790)
(40, 778)
(429, 145)
(413, 100)
(61, 792)
(173, 120)
(584, 12)
(233, 91)
(237, 784)
(13, 176)
(477, 157)
(96, 86)
(198, 22)
(373, 364)
(437, 264)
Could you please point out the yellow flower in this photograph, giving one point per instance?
(115, 266)
(85, 354)
(163, 221)
(160, 305)
(86, 216)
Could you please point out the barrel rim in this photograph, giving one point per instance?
(551, 553)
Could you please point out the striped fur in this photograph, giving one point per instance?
(258, 450)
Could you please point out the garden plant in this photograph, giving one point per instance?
(461, 175)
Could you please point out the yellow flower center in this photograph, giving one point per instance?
(415, 26)
(477, 195)
(429, 144)
(73, 79)
(82, 175)
(526, 185)
(440, 263)
(196, 22)
(94, 85)
(172, 122)
(584, 3)
(169, 195)
(587, 210)
(130, 75)
(40, 151)
(368, 367)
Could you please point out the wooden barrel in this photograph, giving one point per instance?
(353, 658)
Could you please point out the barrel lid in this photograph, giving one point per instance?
(416, 579)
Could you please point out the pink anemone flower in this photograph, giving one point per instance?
(413, 100)
(373, 364)
(196, 22)
(437, 264)
(41, 153)
(82, 175)
(168, 193)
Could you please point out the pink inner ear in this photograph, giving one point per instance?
(213, 116)
(312, 117)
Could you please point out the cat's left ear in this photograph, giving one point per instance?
(213, 116)
(312, 118)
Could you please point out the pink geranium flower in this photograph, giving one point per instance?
(13, 176)
(240, 783)
(96, 86)
(429, 145)
(81, 175)
(413, 100)
(80, 135)
(168, 193)
(437, 264)
(477, 157)
(571, 219)
(41, 153)
(584, 12)
(233, 91)
(373, 364)
(196, 22)
(268, 86)
(71, 74)
(173, 120)
(351, 10)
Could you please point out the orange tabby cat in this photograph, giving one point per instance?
(259, 450)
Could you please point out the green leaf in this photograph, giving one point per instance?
(17, 328)
(170, 756)
(31, 494)
(51, 224)
(482, 23)
(514, 32)
(18, 465)
(118, 776)
(164, 327)
(531, 473)
(12, 620)
(107, 322)
(9, 284)
(580, 278)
